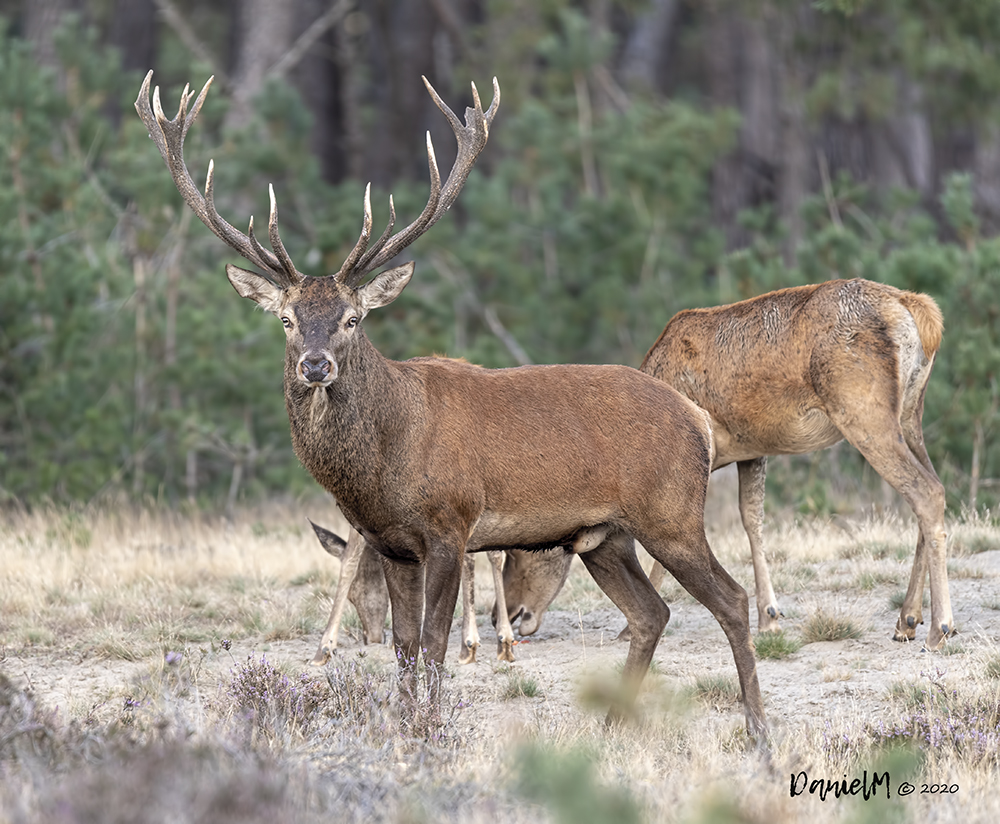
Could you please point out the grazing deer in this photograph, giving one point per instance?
(531, 582)
(798, 370)
(432, 458)
(363, 584)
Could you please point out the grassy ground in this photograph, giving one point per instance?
(152, 668)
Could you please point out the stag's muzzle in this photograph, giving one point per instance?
(317, 370)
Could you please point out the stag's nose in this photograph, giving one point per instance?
(316, 370)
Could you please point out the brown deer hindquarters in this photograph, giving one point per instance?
(799, 369)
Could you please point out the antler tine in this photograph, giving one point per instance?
(471, 139)
(365, 264)
(347, 269)
(362, 265)
(223, 230)
(168, 135)
(494, 105)
(276, 244)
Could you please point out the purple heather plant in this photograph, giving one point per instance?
(271, 701)
(942, 719)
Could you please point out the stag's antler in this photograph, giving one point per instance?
(168, 135)
(471, 140)
(169, 138)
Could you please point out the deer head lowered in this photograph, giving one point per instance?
(432, 458)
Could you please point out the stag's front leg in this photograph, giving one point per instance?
(752, 476)
(406, 596)
(444, 564)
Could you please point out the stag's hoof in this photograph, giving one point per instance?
(505, 650)
(468, 653)
(322, 657)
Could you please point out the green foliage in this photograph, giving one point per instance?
(776, 645)
(565, 784)
(584, 240)
(717, 689)
(121, 347)
(823, 625)
(125, 360)
(519, 685)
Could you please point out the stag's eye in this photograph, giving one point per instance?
(352, 321)
(287, 323)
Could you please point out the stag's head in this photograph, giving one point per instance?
(321, 315)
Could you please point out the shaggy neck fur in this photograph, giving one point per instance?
(350, 434)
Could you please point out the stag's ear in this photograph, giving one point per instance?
(259, 289)
(385, 287)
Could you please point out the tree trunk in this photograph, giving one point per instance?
(986, 174)
(318, 79)
(265, 35)
(140, 385)
(742, 70)
(400, 50)
(41, 19)
(133, 32)
(977, 449)
(794, 147)
(647, 48)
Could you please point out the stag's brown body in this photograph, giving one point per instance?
(433, 458)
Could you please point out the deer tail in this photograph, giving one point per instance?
(927, 315)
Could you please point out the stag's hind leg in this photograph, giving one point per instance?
(617, 572)
(690, 560)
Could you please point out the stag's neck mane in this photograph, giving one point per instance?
(348, 433)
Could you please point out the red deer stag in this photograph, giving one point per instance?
(798, 370)
(432, 458)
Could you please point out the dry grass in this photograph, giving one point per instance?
(830, 625)
(127, 583)
(152, 668)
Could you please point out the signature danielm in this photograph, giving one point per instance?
(800, 784)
